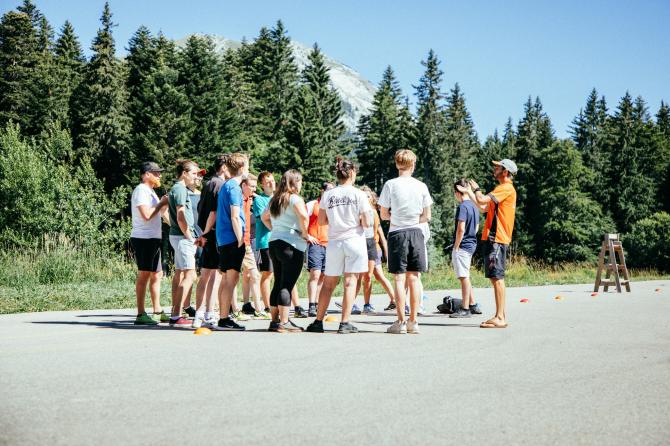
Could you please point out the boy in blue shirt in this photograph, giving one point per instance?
(230, 223)
(465, 244)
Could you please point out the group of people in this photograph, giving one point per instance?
(268, 236)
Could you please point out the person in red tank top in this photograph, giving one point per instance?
(316, 251)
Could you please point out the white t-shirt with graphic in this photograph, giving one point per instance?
(344, 206)
(144, 195)
(406, 197)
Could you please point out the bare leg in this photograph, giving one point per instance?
(155, 290)
(141, 289)
(329, 284)
(176, 297)
(350, 282)
(283, 314)
(386, 284)
(266, 276)
(255, 288)
(212, 289)
(367, 282)
(466, 289)
(499, 290)
(188, 276)
(295, 297)
(399, 287)
(415, 289)
(229, 281)
(313, 285)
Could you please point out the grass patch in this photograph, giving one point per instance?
(57, 275)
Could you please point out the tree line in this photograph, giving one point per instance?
(89, 122)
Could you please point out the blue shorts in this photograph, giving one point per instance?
(316, 257)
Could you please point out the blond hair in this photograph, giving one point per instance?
(250, 177)
(235, 162)
(405, 159)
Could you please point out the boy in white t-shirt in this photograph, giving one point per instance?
(345, 210)
(145, 238)
(406, 202)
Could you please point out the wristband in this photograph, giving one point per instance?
(475, 190)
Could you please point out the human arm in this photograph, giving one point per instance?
(147, 212)
(236, 223)
(425, 215)
(181, 221)
(303, 218)
(323, 217)
(474, 193)
(384, 213)
(382, 241)
(265, 218)
(460, 231)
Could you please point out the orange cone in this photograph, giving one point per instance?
(202, 331)
(594, 294)
(524, 300)
(330, 318)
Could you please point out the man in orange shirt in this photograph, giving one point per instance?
(251, 277)
(316, 251)
(497, 233)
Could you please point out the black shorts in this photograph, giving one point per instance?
(147, 253)
(263, 261)
(372, 249)
(407, 251)
(495, 256)
(210, 255)
(231, 256)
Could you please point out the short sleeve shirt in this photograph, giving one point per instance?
(230, 194)
(178, 196)
(261, 202)
(344, 206)
(286, 226)
(467, 213)
(406, 197)
(144, 195)
(208, 200)
(500, 214)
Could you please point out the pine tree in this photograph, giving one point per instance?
(388, 128)
(19, 59)
(101, 126)
(69, 61)
(316, 127)
(200, 77)
(662, 143)
(534, 134)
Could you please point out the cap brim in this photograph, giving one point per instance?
(497, 163)
(202, 172)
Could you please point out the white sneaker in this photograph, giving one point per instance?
(197, 323)
(210, 323)
(398, 328)
(413, 327)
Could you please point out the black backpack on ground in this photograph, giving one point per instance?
(449, 305)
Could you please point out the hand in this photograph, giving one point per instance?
(312, 240)
(240, 243)
(201, 241)
(463, 190)
(473, 184)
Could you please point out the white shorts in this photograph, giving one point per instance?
(346, 256)
(461, 259)
(184, 252)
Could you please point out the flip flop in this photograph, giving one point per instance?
(491, 324)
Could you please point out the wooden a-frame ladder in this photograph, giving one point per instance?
(612, 247)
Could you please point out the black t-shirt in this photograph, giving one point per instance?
(209, 200)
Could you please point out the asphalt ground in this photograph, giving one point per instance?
(570, 371)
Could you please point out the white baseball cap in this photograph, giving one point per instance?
(507, 164)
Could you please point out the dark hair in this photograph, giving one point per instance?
(287, 186)
(327, 185)
(185, 166)
(262, 175)
(344, 168)
(460, 182)
(219, 162)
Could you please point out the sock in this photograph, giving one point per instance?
(174, 318)
(199, 315)
(209, 315)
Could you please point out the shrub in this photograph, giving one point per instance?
(648, 241)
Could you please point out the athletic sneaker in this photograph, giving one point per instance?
(197, 323)
(368, 309)
(239, 316)
(209, 323)
(289, 327)
(145, 319)
(413, 327)
(474, 309)
(261, 315)
(228, 324)
(190, 311)
(346, 328)
(311, 312)
(461, 313)
(398, 328)
(422, 307)
(299, 312)
(390, 307)
(247, 308)
(315, 327)
(161, 317)
(274, 326)
(355, 309)
(181, 322)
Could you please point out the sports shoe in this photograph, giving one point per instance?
(299, 312)
(190, 311)
(311, 312)
(182, 322)
(209, 323)
(228, 324)
(239, 316)
(197, 323)
(413, 327)
(390, 307)
(274, 326)
(461, 313)
(422, 307)
(161, 317)
(355, 309)
(247, 308)
(289, 327)
(368, 309)
(346, 328)
(145, 319)
(474, 309)
(261, 315)
(398, 328)
(315, 327)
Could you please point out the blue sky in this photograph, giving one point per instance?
(499, 52)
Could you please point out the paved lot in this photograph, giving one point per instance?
(580, 370)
